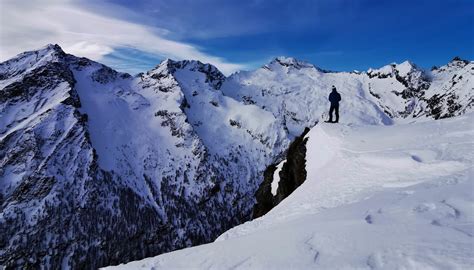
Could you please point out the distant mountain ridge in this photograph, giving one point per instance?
(98, 167)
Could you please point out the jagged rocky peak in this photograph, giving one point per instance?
(36, 75)
(49, 49)
(49, 52)
(455, 65)
(161, 77)
(458, 62)
(169, 67)
(31, 60)
(164, 68)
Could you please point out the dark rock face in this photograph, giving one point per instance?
(213, 76)
(292, 175)
(264, 196)
(104, 75)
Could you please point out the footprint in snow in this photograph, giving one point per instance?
(416, 158)
(368, 219)
(424, 207)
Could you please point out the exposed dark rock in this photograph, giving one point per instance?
(435, 106)
(213, 76)
(43, 78)
(374, 94)
(247, 100)
(104, 75)
(235, 123)
(292, 175)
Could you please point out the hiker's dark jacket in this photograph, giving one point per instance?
(334, 98)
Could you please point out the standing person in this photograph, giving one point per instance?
(334, 98)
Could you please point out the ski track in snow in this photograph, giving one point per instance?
(376, 197)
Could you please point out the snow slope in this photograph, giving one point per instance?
(376, 197)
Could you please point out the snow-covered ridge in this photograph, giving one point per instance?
(393, 69)
(396, 91)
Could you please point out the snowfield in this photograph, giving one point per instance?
(376, 197)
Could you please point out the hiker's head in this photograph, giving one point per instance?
(333, 88)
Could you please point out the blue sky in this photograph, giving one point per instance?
(335, 35)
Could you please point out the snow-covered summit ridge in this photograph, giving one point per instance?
(283, 61)
(402, 69)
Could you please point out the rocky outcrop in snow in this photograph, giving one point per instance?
(286, 176)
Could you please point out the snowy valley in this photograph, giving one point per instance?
(99, 167)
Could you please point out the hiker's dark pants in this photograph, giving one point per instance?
(334, 107)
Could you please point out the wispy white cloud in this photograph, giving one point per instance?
(27, 25)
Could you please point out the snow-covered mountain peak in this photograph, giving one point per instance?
(403, 69)
(169, 67)
(49, 49)
(163, 69)
(31, 60)
(52, 47)
(288, 62)
(458, 62)
(406, 67)
(49, 52)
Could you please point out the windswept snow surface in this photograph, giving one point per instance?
(376, 197)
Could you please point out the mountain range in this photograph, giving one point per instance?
(99, 167)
